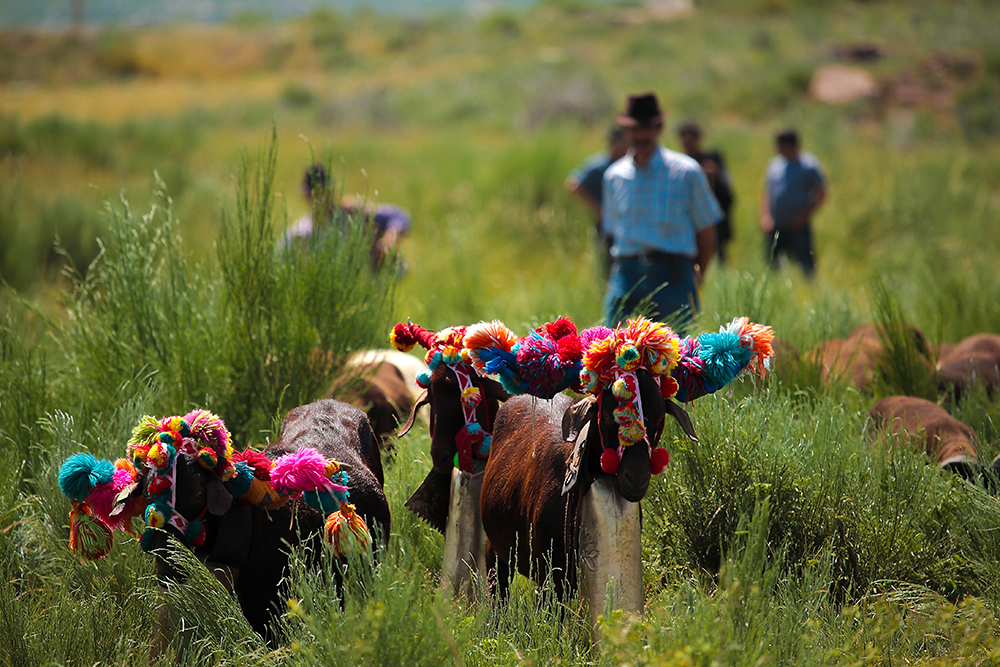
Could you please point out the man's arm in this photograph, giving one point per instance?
(706, 240)
(576, 188)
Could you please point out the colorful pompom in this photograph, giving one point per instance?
(625, 388)
(239, 484)
(609, 461)
(484, 447)
(160, 456)
(147, 540)
(347, 533)
(194, 534)
(303, 470)
(471, 397)
(629, 434)
(80, 473)
(405, 336)
(207, 458)
(627, 357)
(158, 485)
(423, 379)
(260, 464)
(158, 514)
(658, 459)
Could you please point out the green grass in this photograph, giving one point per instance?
(783, 537)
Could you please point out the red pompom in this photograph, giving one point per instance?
(260, 464)
(609, 461)
(659, 459)
(569, 347)
(668, 386)
(560, 328)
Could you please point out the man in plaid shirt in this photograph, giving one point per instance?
(660, 211)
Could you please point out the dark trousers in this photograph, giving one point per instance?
(662, 285)
(797, 244)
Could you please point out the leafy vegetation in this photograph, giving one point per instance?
(783, 536)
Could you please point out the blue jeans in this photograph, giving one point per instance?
(667, 282)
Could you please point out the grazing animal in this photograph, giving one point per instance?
(379, 383)
(858, 357)
(931, 430)
(236, 511)
(975, 360)
(547, 452)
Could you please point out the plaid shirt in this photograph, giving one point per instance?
(660, 207)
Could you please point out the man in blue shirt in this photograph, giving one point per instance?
(661, 213)
(586, 183)
(794, 189)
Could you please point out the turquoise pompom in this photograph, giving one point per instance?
(423, 379)
(80, 473)
(321, 500)
(146, 541)
(241, 480)
(484, 448)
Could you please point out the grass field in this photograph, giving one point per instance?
(782, 538)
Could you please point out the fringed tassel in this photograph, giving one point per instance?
(346, 532)
(89, 536)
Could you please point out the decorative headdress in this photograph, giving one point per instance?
(93, 486)
(543, 363)
(611, 359)
(710, 361)
(685, 370)
(447, 347)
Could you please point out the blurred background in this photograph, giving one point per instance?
(471, 114)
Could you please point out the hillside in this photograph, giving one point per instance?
(147, 173)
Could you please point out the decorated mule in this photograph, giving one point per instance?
(463, 407)
(564, 480)
(234, 510)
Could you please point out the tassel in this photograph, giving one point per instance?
(347, 533)
(89, 537)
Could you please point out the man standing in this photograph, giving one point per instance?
(659, 210)
(714, 167)
(585, 183)
(794, 189)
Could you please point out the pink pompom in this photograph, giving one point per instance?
(302, 471)
(659, 459)
(102, 498)
(609, 461)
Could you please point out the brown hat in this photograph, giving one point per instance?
(641, 110)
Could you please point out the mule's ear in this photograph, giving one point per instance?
(219, 499)
(423, 400)
(678, 413)
(494, 390)
(576, 416)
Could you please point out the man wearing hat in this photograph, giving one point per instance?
(660, 212)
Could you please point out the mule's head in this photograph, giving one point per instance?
(463, 408)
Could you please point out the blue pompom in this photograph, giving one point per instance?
(80, 473)
(474, 428)
(323, 501)
(240, 482)
(724, 356)
(484, 447)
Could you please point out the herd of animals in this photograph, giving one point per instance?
(530, 458)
